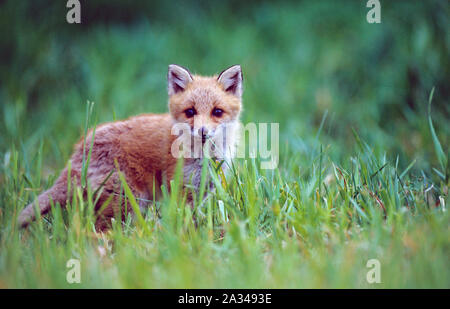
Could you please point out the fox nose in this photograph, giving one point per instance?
(203, 132)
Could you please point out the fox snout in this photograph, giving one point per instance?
(202, 130)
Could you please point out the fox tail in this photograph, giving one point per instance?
(56, 194)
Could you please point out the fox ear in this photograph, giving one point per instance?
(231, 80)
(178, 78)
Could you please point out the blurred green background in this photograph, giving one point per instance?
(303, 61)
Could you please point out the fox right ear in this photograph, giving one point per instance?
(231, 80)
(178, 78)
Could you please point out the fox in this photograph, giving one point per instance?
(142, 146)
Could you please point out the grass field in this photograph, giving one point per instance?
(364, 161)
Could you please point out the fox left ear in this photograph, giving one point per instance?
(231, 80)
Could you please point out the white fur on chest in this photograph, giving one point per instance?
(193, 166)
(192, 172)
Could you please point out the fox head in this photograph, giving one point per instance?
(208, 105)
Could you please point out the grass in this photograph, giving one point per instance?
(363, 169)
(263, 228)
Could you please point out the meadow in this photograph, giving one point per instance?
(363, 170)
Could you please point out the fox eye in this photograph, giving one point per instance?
(190, 112)
(217, 112)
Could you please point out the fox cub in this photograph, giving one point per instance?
(143, 147)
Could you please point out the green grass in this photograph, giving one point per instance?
(363, 171)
